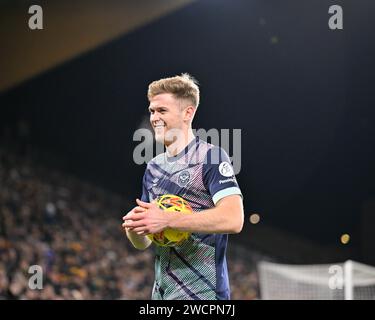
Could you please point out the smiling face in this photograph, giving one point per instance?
(169, 117)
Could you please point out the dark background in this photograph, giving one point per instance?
(302, 94)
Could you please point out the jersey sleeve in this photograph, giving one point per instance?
(144, 196)
(218, 175)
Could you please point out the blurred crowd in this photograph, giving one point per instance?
(72, 229)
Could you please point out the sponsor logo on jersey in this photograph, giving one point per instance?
(225, 169)
(228, 180)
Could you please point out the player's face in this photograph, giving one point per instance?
(166, 117)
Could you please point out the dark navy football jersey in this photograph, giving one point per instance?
(202, 174)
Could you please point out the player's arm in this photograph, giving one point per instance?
(226, 217)
(139, 241)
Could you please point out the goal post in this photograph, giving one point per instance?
(338, 281)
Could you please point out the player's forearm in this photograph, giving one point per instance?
(215, 220)
(139, 242)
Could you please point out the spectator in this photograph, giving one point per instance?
(73, 231)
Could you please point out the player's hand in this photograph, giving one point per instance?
(151, 220)
(127, 225)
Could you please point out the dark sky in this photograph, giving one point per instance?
(301, 93)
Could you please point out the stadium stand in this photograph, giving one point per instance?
(72, 229)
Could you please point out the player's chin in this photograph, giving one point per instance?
(163, 140)
(159, 139)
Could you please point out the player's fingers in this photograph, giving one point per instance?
(129, 214)
(126, 225)
(133, 216)
(139, 209)
(135, 224)
(143, 204)
(140, 230)
(143, 233)
(136, 216)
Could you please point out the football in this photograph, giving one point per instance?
(171, 237)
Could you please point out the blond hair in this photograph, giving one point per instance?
(183, 87)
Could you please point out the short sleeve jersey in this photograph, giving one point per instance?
(202, 174)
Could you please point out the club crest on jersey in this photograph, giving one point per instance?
(225, 169)
(183, 178)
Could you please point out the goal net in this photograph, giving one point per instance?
(341, 281)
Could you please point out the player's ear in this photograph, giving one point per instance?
(189, 113)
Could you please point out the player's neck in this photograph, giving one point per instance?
(180, 144)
